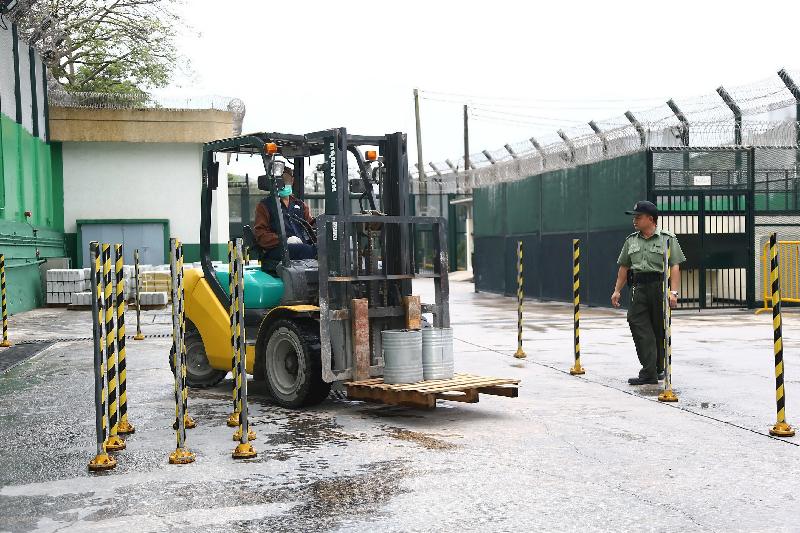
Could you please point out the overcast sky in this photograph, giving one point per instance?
(302, 66)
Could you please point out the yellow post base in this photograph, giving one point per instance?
(782, 429)
(233, 419)
(102, 461)
(114, 443)
(125, 428)
(251, 435)
(188, 422)
(138, 337)
(181, 456)
(5, 344)
(244, 451)
(520, 354)
(577, 370)
(667, 396)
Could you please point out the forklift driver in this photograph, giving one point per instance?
(297, 220)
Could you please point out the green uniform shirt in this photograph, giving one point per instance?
(647, 255)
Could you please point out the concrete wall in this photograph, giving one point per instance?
(139, 125)
(137, 181)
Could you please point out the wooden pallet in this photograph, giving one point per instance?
(462, 388)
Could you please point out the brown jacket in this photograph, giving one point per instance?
(265, 236)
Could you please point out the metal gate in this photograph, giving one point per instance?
(705, 196)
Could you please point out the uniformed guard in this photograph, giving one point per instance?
(642, 257)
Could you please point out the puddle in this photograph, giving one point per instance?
(424, 440)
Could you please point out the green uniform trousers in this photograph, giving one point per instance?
(646, 320)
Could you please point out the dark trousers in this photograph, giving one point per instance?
(646, 320)
(296, 251)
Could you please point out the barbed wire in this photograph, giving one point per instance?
(710, 124)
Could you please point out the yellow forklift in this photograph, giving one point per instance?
(298, 312)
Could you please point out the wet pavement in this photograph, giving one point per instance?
(584, 452)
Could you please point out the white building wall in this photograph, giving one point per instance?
(110, 180)
(41, 72)
(8, 76)
(8, 104)
(26, 95)
(219, 207)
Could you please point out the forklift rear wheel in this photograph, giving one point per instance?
(293, 369)
(199, 374)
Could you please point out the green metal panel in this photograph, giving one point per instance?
(490, 205)
(163, 221)
(614, 186)
(11, 167)
(261, 291)
(23, 279)
(23, 287)
(57, 186)
(44, 204)
(18, 243)
(523, 206)
(2, 169)
(26, 184)
(219, 252)
(27, 174)
(564, 200)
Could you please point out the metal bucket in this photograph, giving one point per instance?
(402, 356)
(437, 353)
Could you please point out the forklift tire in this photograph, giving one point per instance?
(292, 364)
(199, 374)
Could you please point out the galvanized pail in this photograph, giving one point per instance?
(437, 353)
(402, 356)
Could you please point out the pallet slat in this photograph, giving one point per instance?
(461, 388)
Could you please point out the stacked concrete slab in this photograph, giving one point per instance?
(82, 296)
(62, 283)
(152, 298)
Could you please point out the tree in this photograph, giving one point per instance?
(118, 46)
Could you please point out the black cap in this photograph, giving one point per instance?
(644, 207)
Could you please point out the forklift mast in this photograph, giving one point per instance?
(365, 255)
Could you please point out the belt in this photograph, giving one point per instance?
(642, 278)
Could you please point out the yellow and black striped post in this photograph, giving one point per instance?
(188, 420)
(114, 441)
(101, 461)
(577, 369)
(520, 353)
(5, 343)
(125, 426)
(781, 427)
(181, 455)
(243, 450)
(233, 419)
(667, 395)
(138, 336)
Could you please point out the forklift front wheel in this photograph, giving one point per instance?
(293, 369)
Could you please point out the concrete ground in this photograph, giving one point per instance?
(585, 452)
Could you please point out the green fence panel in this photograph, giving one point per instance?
(29, 178)
(614, 186)
(523, 200)
(45, 199)
(11, 167)
(489, 210)
(565, 197)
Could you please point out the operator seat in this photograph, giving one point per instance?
(269, 265)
